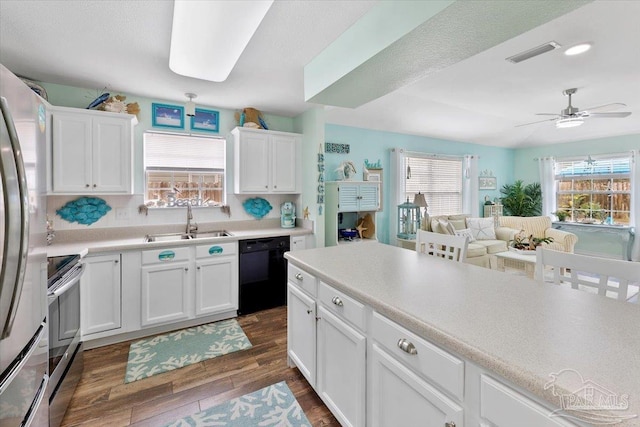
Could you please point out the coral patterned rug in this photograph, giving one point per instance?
(274, 405)
(162, 353)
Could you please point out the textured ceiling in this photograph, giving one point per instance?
(125, 45)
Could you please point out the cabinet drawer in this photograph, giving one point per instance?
(343, 305)
(212, 250)
(159, 256)
(504, 407)
(435, 364)
(306, 281)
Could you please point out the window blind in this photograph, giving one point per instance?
(180, 152)
(439, 179)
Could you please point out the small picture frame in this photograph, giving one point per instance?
(205, 120)
(373, 177)
(487, 183)
(167, 116)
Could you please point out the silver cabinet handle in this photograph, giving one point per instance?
(186, 269)
(87, 185)
(309, 311)
(115, 261)
(337, 301)
(198, 267)
(450, 424)
(299, 276)
(407, 346)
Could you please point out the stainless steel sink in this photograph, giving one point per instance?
(172, 237)
(168, 237)
(208, 234)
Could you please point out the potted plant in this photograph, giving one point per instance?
(522, 242)
(561, 214)
(522, 200)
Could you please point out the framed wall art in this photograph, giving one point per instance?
(205, 120)
(167, 116)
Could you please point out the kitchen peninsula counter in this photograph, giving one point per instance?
(512, 326)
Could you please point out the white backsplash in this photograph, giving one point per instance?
(124, 211)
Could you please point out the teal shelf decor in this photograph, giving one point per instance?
(257, 207)
(85, 210)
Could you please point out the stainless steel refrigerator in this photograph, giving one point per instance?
(23, 281)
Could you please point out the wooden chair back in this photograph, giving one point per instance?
(445, 246)
(607, 277)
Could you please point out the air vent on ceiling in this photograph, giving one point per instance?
(538, 50)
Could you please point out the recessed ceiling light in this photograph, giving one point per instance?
(569, 122)
(578, 49)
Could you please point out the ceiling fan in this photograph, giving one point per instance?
(573, 116)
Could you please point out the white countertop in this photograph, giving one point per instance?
(511, 325)
(84, 247)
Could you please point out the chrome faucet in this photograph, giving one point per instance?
(191, 227)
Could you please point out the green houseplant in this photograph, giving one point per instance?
(522, 200)
(561, 214)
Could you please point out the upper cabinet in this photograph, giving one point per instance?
(352, 196)
(266, 162)
(91, 152)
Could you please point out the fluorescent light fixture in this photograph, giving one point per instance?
(569, 122)
(190, 106)
(577, 49)
(208, 37)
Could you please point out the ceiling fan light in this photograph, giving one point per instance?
(569, 122)
(577, 49)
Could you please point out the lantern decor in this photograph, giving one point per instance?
(408, 220)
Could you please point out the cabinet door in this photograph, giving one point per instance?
(348, 198)
(301, 332)
(165, 293)
(369, 197)
(284, 149)
(71, 153)
(399, 394)
(341, 369)
(253, 163)
(111, 155)
(100, 294)
(298, 243)
(216, 285)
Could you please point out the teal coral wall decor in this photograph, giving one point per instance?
(257, 207)
(85, 210)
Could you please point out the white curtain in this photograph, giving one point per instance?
(546, 166)
(397, 187)
(470, 203)
(635, 203)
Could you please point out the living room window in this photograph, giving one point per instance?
(184, 168)
(596, 190)
(438, 178)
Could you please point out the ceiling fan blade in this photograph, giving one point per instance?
(547, 114)
(619, 115)
(606, 107)
(539, 121)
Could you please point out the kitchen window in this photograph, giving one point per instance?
(181, 169)
(596, 190)
(438, 178)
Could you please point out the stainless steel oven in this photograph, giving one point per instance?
(65, 347)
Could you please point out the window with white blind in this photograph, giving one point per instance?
(596, 190)
(181, 169)
(438, 178)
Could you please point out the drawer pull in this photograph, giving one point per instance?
(337, 301)
(408, 347)
(450, 424)
(299, 276)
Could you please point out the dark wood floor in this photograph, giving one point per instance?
(103, 399)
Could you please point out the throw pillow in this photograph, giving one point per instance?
(458, 224)
(466, 233)
(446, 227)
(482, 228)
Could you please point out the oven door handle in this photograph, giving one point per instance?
(68, 284)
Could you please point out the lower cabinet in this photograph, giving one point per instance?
(216, 279)
(101, 290)
(165, 292)
(301, 332)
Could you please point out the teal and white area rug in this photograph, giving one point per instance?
(274, 405)
(162, 353)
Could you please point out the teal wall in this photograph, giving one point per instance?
(376, 145)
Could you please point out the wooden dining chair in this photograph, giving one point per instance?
(445, 246)
(607, 277)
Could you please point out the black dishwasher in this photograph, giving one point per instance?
(263, 274)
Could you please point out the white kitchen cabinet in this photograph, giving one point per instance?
(341, 362)
(92, 152)
(298, 243)
(101, 292)
(266, 162)
(166, 285)
(301, 331)
(399, 394)
(216, 279)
